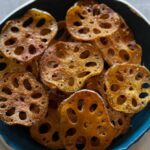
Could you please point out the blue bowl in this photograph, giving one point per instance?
(19, 138)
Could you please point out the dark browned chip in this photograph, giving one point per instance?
(23, 100)
(27, 37)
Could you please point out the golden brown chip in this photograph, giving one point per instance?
(121, 121)
(89, 20)
(120, 47)
(84, 122)
(66, 65)
(128, 87)
(22, 99)
(27, 37)
(47, 130)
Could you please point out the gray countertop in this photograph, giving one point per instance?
(6, 6)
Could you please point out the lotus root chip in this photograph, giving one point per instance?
(23, 100)
(128, 87)
(85, 122)
(88, 21)
(47, 131)
(28, 37)
(121, 121)
(66, 65)
(120, 47)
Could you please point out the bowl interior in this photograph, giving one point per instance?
(18, 137)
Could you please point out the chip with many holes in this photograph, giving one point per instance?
(66, 65)
(85, 123)
(128, 87)
(120, 47)
(47, 130)
(89, 20)
(121, 121)
(23, 100)
(27, 37)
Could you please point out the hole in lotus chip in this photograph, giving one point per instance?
(120, 77)
(45, 31)
(10, 111)
(143, 95)
(105, 25)
(90, 64)
(7, 90)
(41, 22)
(70, 132)
(44, 128)
(72, 115)
(134, 102)
(84, 30)
(34, 108)
(15, 83)
(3, 66)
(27, 85)
(19, 50)
(104, 41)
(55, 136)
(85, 54)
(28, 22)
(10, 41)
(121, 99)
(114, 87)
(32, 49)
(2, 99)
(80, 104)
(139, 76)
(77, 23)
(93, 107)
(15, 29)
(22, 115)
(81, 142)
(95, 141)
(111, 52)
(36, 95)
(124, 55)
(145, 85)
(96, 31)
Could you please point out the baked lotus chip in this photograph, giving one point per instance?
(120, 47)
(47, 130)
(88, 20)
(23, 100)
(121, 121)
(27, 37)
(85, 122)
(128, 87)
(67, 65)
